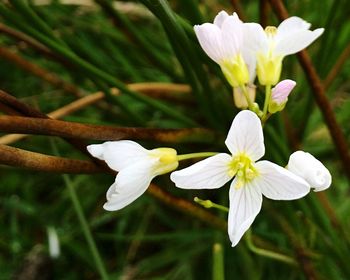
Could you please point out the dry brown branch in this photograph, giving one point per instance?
(147, 88)
(320, 96)
(343, 57)
(18, 35)
(187, 207)
(14, 124)
(35, 161)
(39, 71)
(264, 12)
(238, 9)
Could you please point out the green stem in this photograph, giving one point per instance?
(210, 204)
(83, 223)
(246, 95)
(218, 262)
(195, 155)
(267, 100)
(267, 253)
(86, 230)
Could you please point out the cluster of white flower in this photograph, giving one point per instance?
(241, 50)
(246, 50)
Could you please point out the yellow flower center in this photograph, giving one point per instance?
(269, 65)
(167, 158)
(243, 168)
(235, 71)
(271, 31)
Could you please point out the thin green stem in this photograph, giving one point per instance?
(267, 253)
(83, 223)
(85, 227)
(209, 204)
(195, 155)
(267, 100)
(246, 95)
(218, 262)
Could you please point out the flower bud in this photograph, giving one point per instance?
(279, 95)
(310, 169)
(239, 97)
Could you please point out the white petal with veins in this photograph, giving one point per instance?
(210, 173)
(246, 136)
(245, 204)
(278, 183)
(130, 184)
(118, 154)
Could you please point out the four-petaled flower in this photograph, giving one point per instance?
(271, 45)
(137, 167)
(252, 179)
(223, 42)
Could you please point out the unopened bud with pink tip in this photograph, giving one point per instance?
(279, 95)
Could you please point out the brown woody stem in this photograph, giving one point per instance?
(14, 124)
(26, 159)
(320, 96)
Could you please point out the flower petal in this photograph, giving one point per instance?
(278, 183)
(220, 18)
(295, 41)
(246, 136)
(232, 34)
(292, 24)
(211, 173)
(245, 204)
(210, 39)
(130, 183)
(255, 39)
(118, 154)
(282, 90)
(311, 169)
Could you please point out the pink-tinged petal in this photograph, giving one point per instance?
(245, 204)
(210, 39)
(282, 90)
(210, 173)
(311, 169)
(118, 154)
(220, 18)
(278, 183)
(129, 185)
(246, 136)
(296, 41)
(232, 34)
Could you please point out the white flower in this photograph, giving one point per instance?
(252, 179)
(223, 42)
(272, 44)
(137, 167)
(311, 169)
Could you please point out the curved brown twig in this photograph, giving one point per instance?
(39, 71)
(35, 161)
(320, 96)
(14, 124)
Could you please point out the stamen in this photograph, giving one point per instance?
(271, 31)
(242, 166)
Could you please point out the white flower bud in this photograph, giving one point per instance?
(310, 169)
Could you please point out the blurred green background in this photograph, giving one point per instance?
(95, 45)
